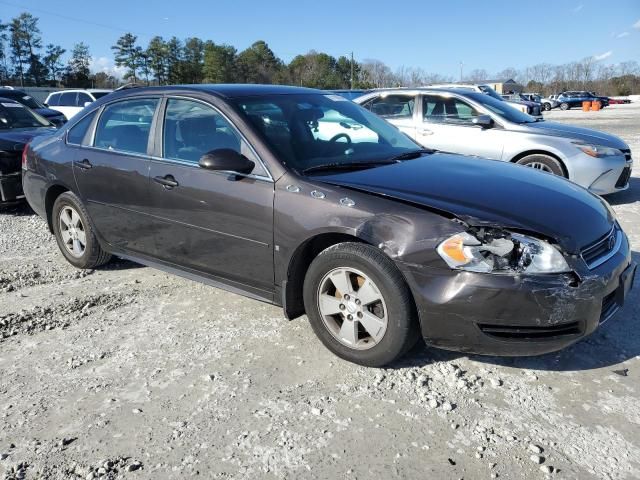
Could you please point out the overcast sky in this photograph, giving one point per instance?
(435, 36)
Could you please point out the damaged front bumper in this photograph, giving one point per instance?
(518, 315)
(11, 188)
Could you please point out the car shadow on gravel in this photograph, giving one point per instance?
(631, 195)
(118, 264)
(21, 209)
(610, 345)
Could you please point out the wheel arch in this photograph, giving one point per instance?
(526, 153)
(53, 192)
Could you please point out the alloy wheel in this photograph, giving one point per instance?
(539, 166)
(72, 231)
(352, 308)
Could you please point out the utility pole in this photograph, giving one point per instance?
(461, 64)
(351, 70)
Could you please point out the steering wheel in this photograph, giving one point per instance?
(335, 138)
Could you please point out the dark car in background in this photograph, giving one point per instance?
(572, 99)
(18, 125)
(306, 200)
(54, 116)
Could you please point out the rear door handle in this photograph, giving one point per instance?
(167, 181)
(85, 164)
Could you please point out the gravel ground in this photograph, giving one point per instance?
(126, 372)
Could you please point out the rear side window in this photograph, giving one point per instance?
(125, 126)
(392, 106)
(78, 133)
(54, 100)
(68, 99)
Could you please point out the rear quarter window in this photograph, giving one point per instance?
(79, 134)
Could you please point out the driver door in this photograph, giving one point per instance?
(447, 125)
(215, 223)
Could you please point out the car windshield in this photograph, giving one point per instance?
(501, 108)
(26, 100)
(14, 115)
(308, 131)
(487, 90)
(98, 95)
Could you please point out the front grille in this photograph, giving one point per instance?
(609, 307)
(517, 332)
(598, 252)
(623, 179)
(627, 154)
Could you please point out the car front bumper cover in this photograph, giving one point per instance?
(518, 315)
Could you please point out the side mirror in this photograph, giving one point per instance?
(226, 159)
(86, 104)
(45, 104)
(483, 121)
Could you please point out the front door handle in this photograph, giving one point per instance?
(85, 164)
(425, 131)
(167, 181)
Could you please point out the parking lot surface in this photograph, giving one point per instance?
(127, 372)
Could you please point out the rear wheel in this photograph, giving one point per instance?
(546, 106)
(564, 106)
(359, 305)
(74, 234)
(544, 163)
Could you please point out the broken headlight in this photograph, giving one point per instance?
(496, 251)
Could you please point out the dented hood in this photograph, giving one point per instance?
(487, 192)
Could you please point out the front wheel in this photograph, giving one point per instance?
(359, 305)
(564, 106)
(544, 163)
(74, 234)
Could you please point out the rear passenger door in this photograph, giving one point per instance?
(215, 223)
(397, 109)
(112, 174)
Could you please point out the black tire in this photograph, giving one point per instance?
(546, 106)
(402, 328)
(543, 162)
(93, 255)
(564, 106)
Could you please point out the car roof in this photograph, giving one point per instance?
(7, 99)
(223, 90)
(415, 90)
(75, 90)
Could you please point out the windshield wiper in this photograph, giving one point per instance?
(412, 154)
(346, 166)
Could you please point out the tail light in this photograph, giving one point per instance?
(25, 152)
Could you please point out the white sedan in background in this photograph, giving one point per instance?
(473, 123)
(70, 102)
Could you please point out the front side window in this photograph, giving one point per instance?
(312, 130)
(68, 99)
(439, 109)
(392, 106)
(192, 129)
(78, 133)
(125, 126)
(83, 98)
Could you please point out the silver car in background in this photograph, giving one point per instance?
(472, 123)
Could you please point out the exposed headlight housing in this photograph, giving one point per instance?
(501, 252)
(597, 151)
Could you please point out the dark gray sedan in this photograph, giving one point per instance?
(306, 200)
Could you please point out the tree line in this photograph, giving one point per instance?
(25, 60)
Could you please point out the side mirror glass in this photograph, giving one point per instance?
(226, 159)
(484, 121)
